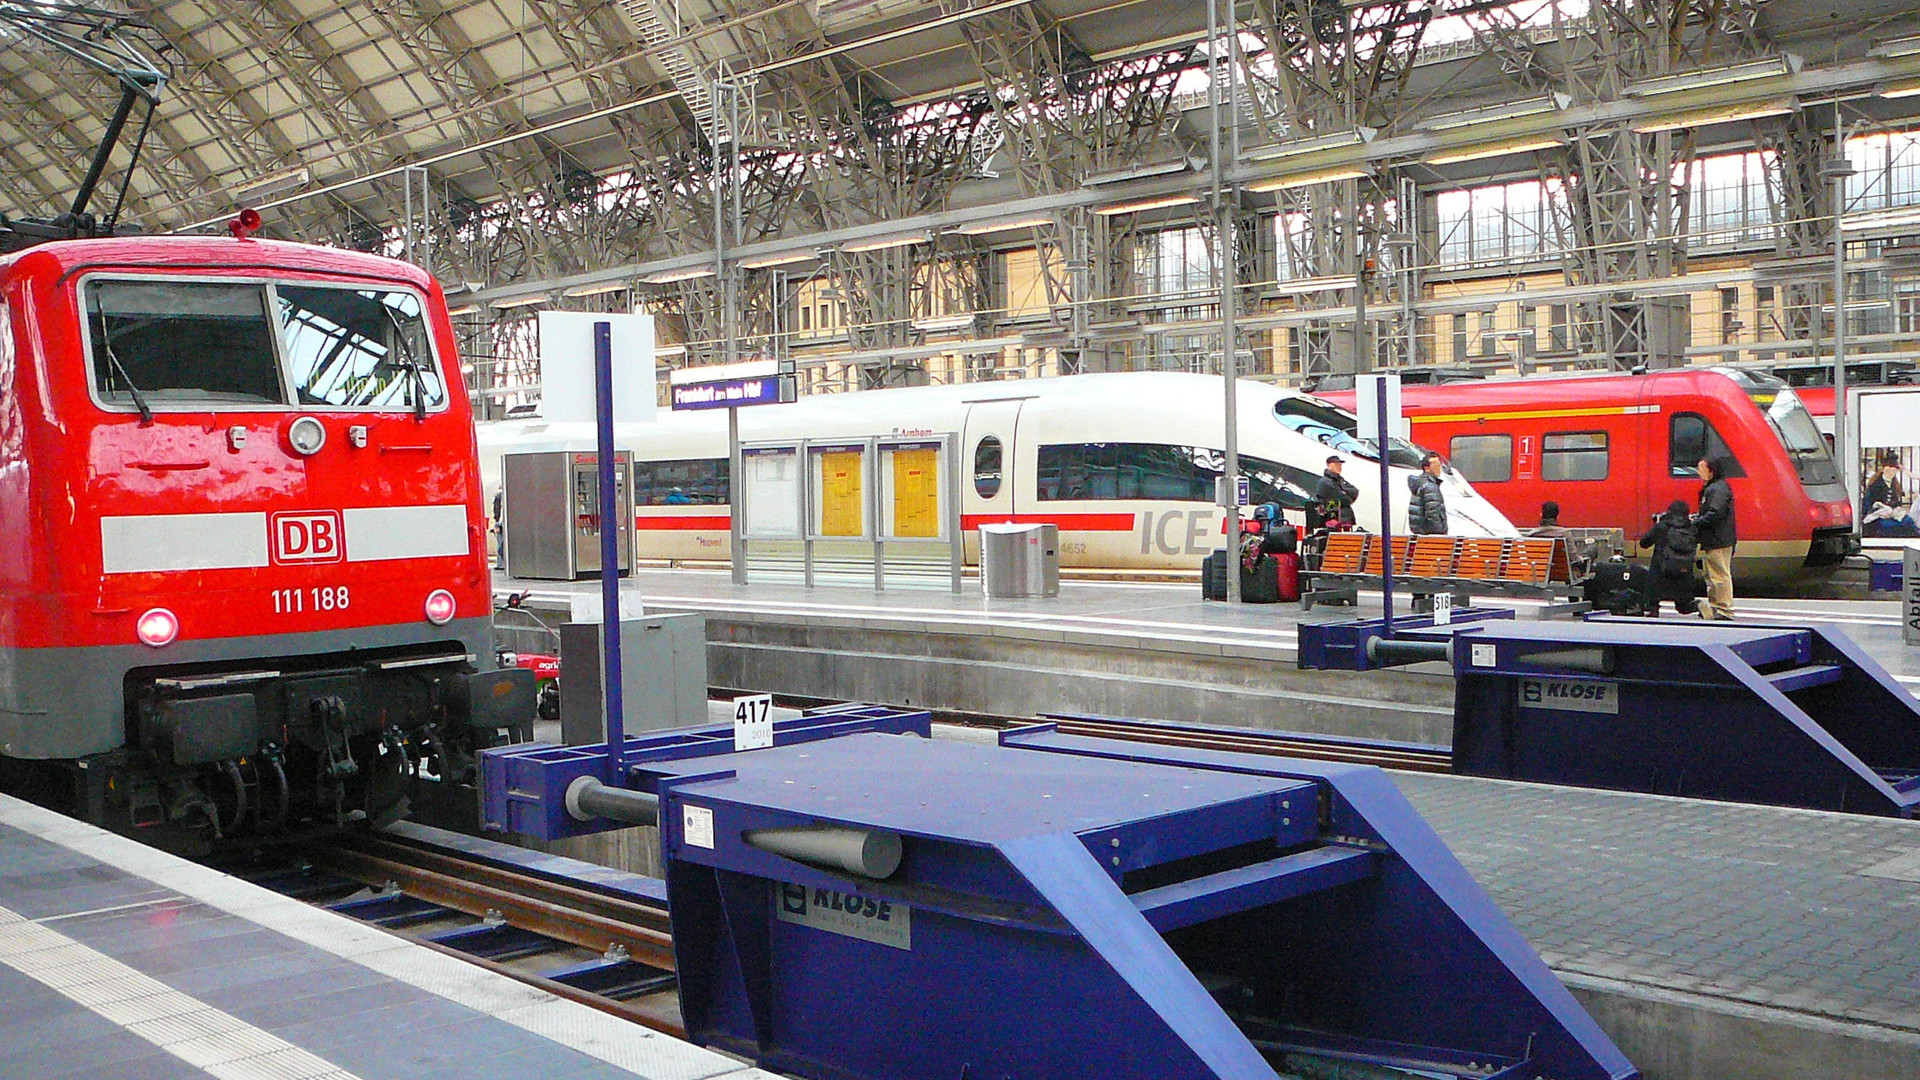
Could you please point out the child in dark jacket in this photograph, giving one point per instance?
(1676, 544)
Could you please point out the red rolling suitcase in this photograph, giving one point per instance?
(1289, 575)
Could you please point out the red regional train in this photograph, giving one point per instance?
(1613, 450)
(244, 589)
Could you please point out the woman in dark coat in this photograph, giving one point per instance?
(1675, 546)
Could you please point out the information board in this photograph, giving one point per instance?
(839, 490)
(566, 366)
(913, 489)
(770, 487)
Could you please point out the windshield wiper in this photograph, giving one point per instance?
(412, 364)
(139, 399)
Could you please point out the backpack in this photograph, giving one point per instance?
(1677, 551)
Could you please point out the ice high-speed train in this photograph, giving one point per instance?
(1123, 463)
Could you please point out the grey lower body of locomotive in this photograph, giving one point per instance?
(71, 702)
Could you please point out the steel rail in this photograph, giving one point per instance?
(530, 903)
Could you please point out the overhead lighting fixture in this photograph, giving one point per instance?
(1322, 176)
(944, 322)
(1339, 140)
(785, 258)
(1158, 202)
(668, 352)
(1487, 150)
(1772, 67)
(882, 243)
(1317, 285)
(601, 289)
(984, 227)
(521, 301)
(668, 277)
(1889, 219)
(1906, 46)
(464, 309)
(739, 369)
(1909, 88)
(1493, 114)
(1138, 172)
(277, 184)
(1724, 114)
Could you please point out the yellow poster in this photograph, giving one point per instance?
(916, 493)
(840, 509)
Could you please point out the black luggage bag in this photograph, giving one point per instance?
(1619, 587)
(1261, 585)
(1213, 576)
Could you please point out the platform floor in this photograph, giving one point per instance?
(1161, 616)
(1813, 914)
(119, 961)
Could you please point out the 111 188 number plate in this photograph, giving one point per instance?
(314, 598)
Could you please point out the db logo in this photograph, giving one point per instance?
(311, 536)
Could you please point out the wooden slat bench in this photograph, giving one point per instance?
(1466, 566)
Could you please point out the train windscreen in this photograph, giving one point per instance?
(1336, 428)
(181, 341)
(363, 348)
(1794, 425)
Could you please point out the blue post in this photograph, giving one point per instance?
(1386, 509)
(610, 681)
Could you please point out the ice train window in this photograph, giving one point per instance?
(156, 342)
(1159, 472)
(361, 348)
(687, 482)
(986, 466)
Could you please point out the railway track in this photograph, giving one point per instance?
(612, 952)
(1407, 757)
(1404, 757)
(606, 951)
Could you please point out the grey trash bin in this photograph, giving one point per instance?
(1020, 560)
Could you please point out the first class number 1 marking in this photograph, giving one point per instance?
(317, 598)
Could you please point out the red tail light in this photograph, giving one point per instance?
(440, 607)
(157, 627)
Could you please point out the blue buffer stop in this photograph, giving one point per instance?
(890, 907)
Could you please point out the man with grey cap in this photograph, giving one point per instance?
(1332, 504)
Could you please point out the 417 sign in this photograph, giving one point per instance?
(753, 722)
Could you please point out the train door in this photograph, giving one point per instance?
(989, 476)
(1645, 452)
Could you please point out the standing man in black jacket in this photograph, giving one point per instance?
(1715, 528)
(1427, 510)
(1333, 499)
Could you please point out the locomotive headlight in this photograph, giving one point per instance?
(157, 627)
(306, 435)
(440, 607)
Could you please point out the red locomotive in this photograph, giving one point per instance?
(244, 586)
(1614, 450)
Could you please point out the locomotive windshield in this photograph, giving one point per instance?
(1791, 422)
(211, 344)
(1803, 441)
(172, 341)
(1335, 427)
(361, 348)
